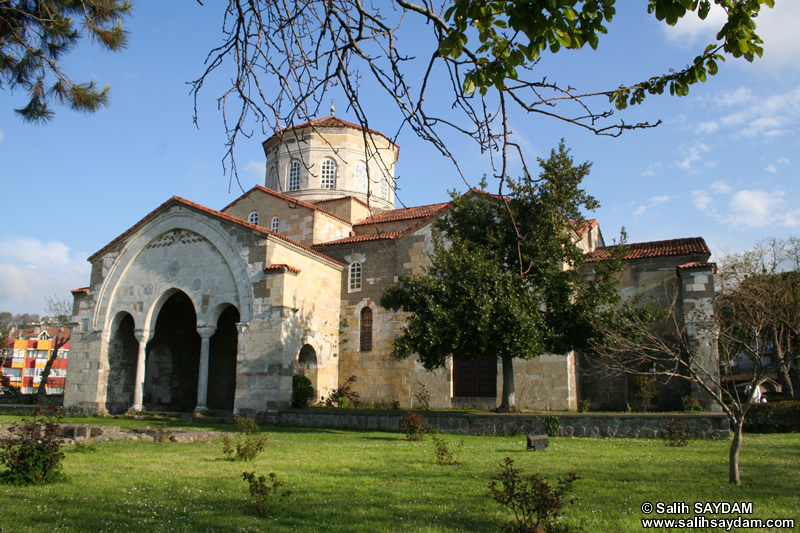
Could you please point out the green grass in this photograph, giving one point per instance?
(376, 482)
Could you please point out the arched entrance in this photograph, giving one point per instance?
(222, 362)
(173, 358)
(307, 365)
(122, 353)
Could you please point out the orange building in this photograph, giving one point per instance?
(27, 356)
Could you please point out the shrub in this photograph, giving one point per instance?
(413, 426)
(777, 417)
(690, 404)
(32, 452)
(245, 425)
(550, 424)
(243, 448)
(536, 505)
(646, 389)
(302, 391)
(264, 490)
(677, 432)
(444, 456)
(583, 405)
(423, 398)
(343, 395)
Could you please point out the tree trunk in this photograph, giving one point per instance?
(786, 382)
(41, 392)
(509, 402)
(736, 445)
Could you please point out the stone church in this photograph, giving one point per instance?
(194, 308)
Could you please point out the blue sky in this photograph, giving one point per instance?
(723, 165)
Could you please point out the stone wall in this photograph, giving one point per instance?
(622, 425)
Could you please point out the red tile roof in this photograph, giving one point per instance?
(283, 267)
(582, 227)
(698, 264)
(286, 198)
(643, 250)
(362, 202)
(215, 214)
(328, 122)
(408, 213)
(82, 289)
(366, 237)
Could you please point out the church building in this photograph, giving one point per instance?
(195, 308)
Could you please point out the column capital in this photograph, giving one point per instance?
(142, 334)
(206, 332)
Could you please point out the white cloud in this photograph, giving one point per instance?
(707, 127)
(691, 155)
(702, 200)
(32, 270)
(742, 95)
(654, 201)
(258, 167)
(772, 168)
(692, 28)
(721, 187)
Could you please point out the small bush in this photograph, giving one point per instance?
(776, 417)
(343, 395)
(413, 426)
(302, 391)
(423, 398)
(646, 389)
(677, 432)
(245, 425)
(444, 456)
(32, 452)
(583, 405)
(264, 490)
(550, 424)
(690, 404)
(536, 506)
(243, 448)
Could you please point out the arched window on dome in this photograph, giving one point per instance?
(274, 224)
(366, 330)
(328, 174)
(355, 277)
(361, 178)
(253, 218)
(272, 180)
(293, 183)
(384, 187)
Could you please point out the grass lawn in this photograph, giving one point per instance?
(376, 482)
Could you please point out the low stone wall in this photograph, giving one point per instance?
(622, 425)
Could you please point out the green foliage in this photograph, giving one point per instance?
(243, 448)
(423, 398)
(245, 425)
(645, 389)
(690, 404)
(343, 395)
(413, 425)
(444, 456)
(536, 506)
(32, 452)
(302, 391)
(583, 405)
(777, 417)
(496, 284)
(550, 425)
(677, 432)
(35, 36)
(263, 490)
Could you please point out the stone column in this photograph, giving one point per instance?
(143, 336)
(205, 332)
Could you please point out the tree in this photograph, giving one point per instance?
(61, 313)
(503, 277)
(288, 56)
(748, 313)
(35, 36)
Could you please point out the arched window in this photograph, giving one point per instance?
(328, 174)
(355, 277)
(293, 182)
(253, 218)
(274, 225)
(272, 181)
(384, 187)
(361, 177)
(366, 329)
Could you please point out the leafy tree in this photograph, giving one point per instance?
(61, 312)
(752, 309)
(503, 277)
(288, 56)
(34, 37)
